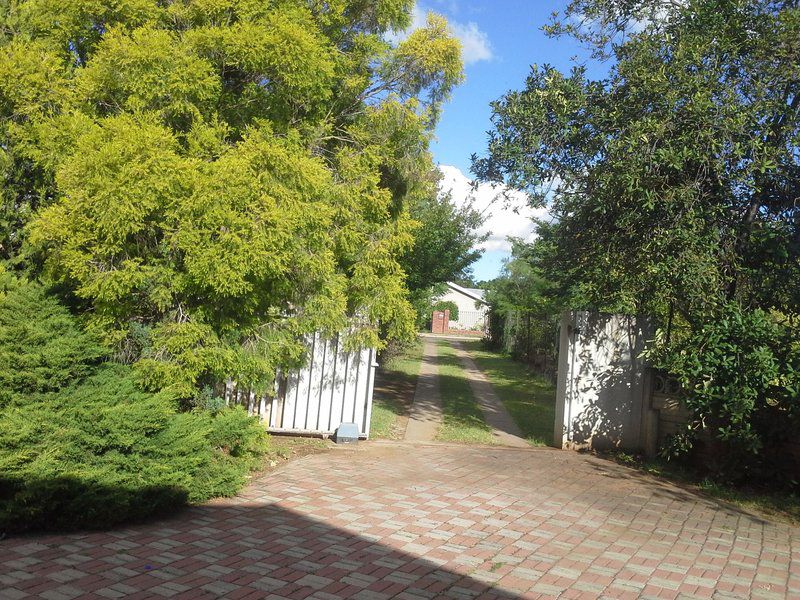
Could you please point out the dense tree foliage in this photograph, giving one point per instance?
(525, 314)
(207, 181)
(676, 182)
(197, 184)
(445, 246)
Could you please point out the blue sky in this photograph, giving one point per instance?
(502, 39)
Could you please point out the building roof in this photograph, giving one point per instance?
(473, 293)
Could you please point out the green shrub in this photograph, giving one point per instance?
(740, 372)
(42, 348)
(101, 451)
(443, 305)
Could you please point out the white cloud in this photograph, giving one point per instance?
(507, 211)
(475, 43)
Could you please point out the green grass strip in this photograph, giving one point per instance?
(462, 417)
(398, 376)
(529, 398)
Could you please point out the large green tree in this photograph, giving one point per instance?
(209, 180)
(676, 191)
(524, 316)
(444, 248)
(446, 243)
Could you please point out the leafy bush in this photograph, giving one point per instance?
(101, 451)
(42, 348)
(741, 376)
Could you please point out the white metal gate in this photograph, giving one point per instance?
(335, 387)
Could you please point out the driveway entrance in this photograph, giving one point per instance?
(441, 521)
(425, 417)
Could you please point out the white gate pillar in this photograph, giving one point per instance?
(602, 392)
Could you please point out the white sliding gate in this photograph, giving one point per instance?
(334, 387)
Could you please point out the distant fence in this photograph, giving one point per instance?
(469, 319)
(335, 387)
(528, 338)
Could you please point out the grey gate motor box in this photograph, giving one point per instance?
(347, 433)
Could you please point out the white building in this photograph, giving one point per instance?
(472, 308)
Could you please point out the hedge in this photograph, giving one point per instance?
(99, 451)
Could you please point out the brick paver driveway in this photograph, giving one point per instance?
(396, 521)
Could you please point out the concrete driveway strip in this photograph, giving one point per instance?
(390, 520)
(504, 429)
(426, 412)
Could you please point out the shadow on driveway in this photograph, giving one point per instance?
(232, 551)
(394, 520)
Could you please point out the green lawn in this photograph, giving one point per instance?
(529, 398)
(462, 417)
(395, 382)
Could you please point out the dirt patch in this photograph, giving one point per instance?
(287, 448)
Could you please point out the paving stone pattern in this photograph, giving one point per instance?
(389, 520)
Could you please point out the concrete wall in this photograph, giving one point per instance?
(603, 387)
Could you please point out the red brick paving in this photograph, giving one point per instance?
(417, 522)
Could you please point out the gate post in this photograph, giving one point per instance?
(564, 353)
(602, 393)
(440, 321)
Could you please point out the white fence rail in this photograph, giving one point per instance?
(469, 319)
(335, 387)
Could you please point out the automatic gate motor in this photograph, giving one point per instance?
(347, 433)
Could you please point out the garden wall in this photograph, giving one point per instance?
(608, 398)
